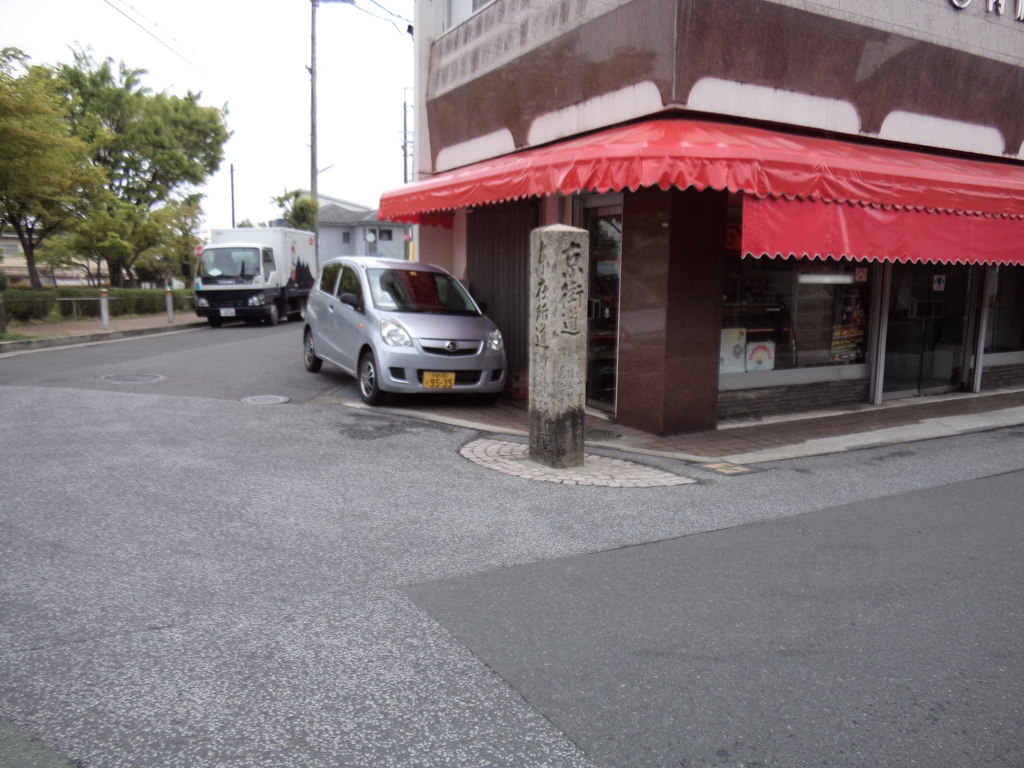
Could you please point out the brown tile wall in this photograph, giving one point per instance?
(670, 310)
(772, 401)
(1002, 376)
(675, 43)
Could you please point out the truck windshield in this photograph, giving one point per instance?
(229, 263)
(411, 290)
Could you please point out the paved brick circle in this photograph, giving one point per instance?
(514, 459)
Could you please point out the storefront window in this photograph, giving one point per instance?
(605, 225)
(1006, 321)
(792, 313)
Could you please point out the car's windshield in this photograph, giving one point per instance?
(412, 290)
(229, 262)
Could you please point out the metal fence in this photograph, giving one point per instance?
(78, 306)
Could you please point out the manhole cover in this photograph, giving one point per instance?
(265, 399)
(725, 468)
(133, 378)
(599, 434)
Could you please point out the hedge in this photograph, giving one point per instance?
(26, 306)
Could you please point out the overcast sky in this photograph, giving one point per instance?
(252, 55)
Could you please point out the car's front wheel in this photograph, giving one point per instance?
(309, 357)
(369, 387)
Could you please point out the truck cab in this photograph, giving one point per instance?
(264, 278)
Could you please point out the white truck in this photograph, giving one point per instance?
(255, 274)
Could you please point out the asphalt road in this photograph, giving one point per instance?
(231, 362)
(188, 579)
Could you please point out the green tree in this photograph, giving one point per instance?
(114, 233)
(178, 223)
(45, 173)
(153, 148)
(299, 210)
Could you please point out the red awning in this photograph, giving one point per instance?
(777, 227)
(686, 153)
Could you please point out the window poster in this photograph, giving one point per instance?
(734, 346)
(847, 344)
(849, 333)
(760, 356)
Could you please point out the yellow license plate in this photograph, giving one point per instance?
(437, 380)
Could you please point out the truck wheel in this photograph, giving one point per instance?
(309, 357)
(300, 313)
(369, 390)
(273, 316)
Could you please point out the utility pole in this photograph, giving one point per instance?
(313, 171)
(406, 142)
(406, 171)
(312, 134)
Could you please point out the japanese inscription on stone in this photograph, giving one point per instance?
(558, 305)
(558, 349)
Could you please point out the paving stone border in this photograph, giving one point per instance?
(514, 459)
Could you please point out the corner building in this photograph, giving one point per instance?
(793, 204)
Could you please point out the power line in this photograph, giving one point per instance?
(392, 13)
(149, 32)
(408, 28)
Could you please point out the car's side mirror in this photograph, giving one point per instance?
(352, 300)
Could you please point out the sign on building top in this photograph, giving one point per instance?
(998, 7)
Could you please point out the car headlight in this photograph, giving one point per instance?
(494, 340)
(201, 302)
(394, 335)
(255, 301)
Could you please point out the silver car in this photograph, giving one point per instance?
(400, 326)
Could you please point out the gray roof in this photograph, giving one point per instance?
(339, 215)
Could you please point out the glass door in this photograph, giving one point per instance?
(605, 227)
(924, 347)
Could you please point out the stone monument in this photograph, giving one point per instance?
(559, 271)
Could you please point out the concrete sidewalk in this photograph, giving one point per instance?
(43, 335)
(732, 444)
(771, 439)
